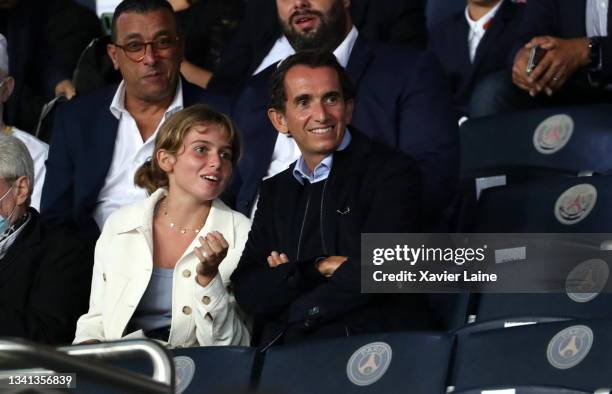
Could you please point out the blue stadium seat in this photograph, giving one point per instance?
(546, 206)
(566, 140)
(519, 147)
(413, 363)
(211, 369)
(563, 205)
(542, 358)
(504, 308)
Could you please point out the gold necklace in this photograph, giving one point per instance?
(174, 226)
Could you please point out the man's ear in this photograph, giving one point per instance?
(346, 3)
(23, 187)
(165, 160)
(278, 120)
(7, 89)
(111, 50)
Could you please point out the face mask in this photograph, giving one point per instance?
(4, 221)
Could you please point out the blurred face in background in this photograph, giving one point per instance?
(314, 24)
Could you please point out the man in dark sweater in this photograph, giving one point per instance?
(299, 274)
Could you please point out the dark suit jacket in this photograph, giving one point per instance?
(563, 19)
(402, 100)
(81, 152)
(448, 41)
(45, 280)
(45, 39)
(380, 189)
(391, 21)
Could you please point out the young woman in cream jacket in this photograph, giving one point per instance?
(162, 265)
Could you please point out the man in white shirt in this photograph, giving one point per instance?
(38, 149)
(402, 100)
(100, 140)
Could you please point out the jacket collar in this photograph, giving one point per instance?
(139, 217)
(360, 57)
(502, 18)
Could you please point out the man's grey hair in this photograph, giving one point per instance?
(15, 160)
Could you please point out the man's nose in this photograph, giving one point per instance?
(149, 57)
(301, 4)
(319, 112)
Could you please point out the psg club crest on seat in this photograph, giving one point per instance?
(576, 203)
(587, 280)
(369, 363)
(553, 134)
(185, 369)
(569, 347)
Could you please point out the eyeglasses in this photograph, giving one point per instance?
(137, 50)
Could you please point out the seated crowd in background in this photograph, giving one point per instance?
(45, 39)
(378, 120)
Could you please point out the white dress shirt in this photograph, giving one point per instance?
(129, 154)
(477, 28)
(597, 18)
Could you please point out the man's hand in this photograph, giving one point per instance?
(330, 264)
(519, 70)
(65, 88)
(212, 251)
(562, 59)
(275, 259)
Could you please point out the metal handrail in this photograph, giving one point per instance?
(67, 359)
(163, 368)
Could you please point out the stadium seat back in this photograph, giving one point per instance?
(574, 355)
(208, 369)
(563, 205)
(386, 363)
(564, 140)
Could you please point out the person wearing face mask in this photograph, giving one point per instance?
(44, 272)
(38, 149)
